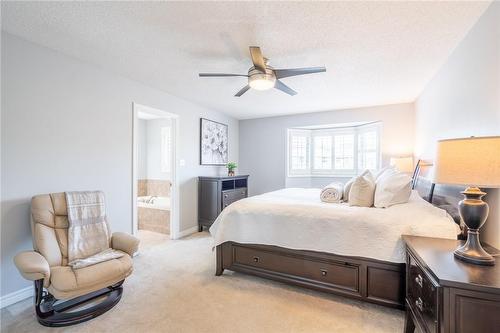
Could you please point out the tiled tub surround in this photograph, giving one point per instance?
(153, 211)
(156, 187)
(153, 219)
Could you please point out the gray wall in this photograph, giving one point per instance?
(263, 142)
(463, 99)
(67, 125)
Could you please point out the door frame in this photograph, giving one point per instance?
(174, 194)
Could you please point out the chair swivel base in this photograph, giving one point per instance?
(52, 314)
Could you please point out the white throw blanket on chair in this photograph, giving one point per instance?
(88, 231)
(332, 193)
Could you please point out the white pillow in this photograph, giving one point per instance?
(381, 172)
(347, 188)
(368, 174)
(392, 188)
(362, 191)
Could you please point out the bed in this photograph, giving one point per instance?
(291, 236)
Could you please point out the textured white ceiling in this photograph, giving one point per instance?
(375, 52)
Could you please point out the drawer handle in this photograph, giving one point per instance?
(419, 280)
(420, 304)
(324, 272)
(256, 259)
(225, 196)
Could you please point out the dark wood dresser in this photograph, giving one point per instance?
(216, 193)
(445, 295)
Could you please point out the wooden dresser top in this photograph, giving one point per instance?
(222, 177)
(436, 255)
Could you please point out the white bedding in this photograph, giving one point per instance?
(295, 218)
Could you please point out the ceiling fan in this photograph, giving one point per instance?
(261, 76)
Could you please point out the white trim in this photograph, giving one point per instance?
(187, 232)
(174, 212)
(311, 133)
(16, 296)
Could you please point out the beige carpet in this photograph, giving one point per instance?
(173, 289)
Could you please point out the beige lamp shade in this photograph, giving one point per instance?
(470, 161)
(403, 164)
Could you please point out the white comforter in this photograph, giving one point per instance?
(295, 218)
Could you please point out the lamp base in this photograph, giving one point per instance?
(473, 252)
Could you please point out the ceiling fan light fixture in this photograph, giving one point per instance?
(261, 76)
(262, 81)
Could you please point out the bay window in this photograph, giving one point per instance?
(337, 151)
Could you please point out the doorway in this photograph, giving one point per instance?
(155, 191)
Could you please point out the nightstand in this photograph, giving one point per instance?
(446, 295)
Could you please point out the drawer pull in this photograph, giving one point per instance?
(256, 259)
(420, 304)
(324, 272)
(419, 280)
(225, 196)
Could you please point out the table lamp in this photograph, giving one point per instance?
(403, 163)
(474, 162)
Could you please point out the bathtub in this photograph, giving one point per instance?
(154, 202)
(153, 213)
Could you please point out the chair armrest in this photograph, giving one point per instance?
(33, 266)
(125, 242)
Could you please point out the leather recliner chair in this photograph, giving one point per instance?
(54, 280)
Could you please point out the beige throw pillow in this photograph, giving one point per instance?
(347, 188)
(362, 191)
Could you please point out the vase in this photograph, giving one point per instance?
(230, 173)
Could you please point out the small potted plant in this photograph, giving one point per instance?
(230, 168)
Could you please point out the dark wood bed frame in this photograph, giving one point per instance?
(366, 279)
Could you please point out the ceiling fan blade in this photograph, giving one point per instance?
(257, 58)
(284, 88)
(242, 91)
(220, 75)
(281, 73)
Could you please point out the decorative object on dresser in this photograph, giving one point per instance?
(213, 142)
(447, 295)
(231, 166)
(465, 162)
(216, 193)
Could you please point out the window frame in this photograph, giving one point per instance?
(310, 171)
(320, 133)
(302, 133)
(376, 127)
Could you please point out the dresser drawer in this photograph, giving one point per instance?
(422, 296)
(230, 196)
(339, 275)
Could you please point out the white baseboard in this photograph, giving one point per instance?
(187, 232)
(16, 296)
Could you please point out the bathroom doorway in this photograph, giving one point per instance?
(155, 187)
